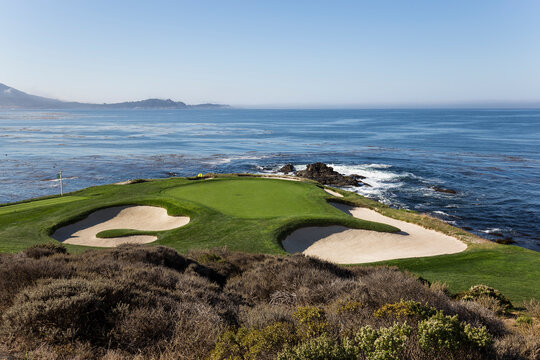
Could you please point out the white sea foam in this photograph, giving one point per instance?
(492, 230)
(226, 160)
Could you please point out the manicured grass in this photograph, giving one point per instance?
(242, 213)
(36, 204)
(107, 234)
(254, 214)
(513, 270)
(257, 198)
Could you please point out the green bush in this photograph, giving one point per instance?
(384, 343)
(524, 319)
(350, 307)
(252, 343)
(311, 321)
(477, 336)
(443, 332)
(320, 348)
(440, 332)
(405, 309)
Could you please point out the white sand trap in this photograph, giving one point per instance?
(144, 218)
(332, 192)
(342, 245)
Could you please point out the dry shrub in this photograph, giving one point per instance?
(490, 304)
(18, 272)
(261, 315)
(42, 250)
(143, 302)
(518, 347)
(64, 310)
(308, 280)
(441, 287)
(533, 308)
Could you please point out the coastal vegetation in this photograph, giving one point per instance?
(222, 287)
(150, 302)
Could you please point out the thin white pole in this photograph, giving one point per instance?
(61, 185)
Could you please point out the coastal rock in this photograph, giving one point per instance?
(506, 241)
(328, 176)
(444, 190)
(287, 168)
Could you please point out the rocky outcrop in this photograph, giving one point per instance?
(328, 176)
(287, 168)
(444, 190)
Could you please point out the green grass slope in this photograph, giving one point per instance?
(513, 270)
(242, 213)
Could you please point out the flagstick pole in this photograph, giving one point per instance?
(61, 185)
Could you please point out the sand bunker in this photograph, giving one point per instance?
(332, 192)
(342, 245)
(144, 218)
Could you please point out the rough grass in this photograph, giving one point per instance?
(153, 303)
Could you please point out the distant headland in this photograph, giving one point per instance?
(11, 98)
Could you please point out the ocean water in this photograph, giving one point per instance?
(490, 157)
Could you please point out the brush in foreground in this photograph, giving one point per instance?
(154, 303)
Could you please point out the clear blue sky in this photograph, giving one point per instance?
(263, 53)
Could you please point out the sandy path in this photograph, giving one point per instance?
(144, 218)
(352, 246)
(280, 177)
(332, 192)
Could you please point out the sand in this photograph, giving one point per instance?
(144, 218)
(126, 182)
(332, 192)
(281, 177)
(342, 245)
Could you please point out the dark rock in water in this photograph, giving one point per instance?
(287, 168)
(358, 176)
(444, 190)
(326, 175)
(468, 228)
(496, 234)
(505, 241)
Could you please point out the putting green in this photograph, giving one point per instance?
(257, 198)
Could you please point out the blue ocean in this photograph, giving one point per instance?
(491, 158)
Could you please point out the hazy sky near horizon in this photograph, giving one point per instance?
(274, 53)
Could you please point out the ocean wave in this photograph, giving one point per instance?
(492, 230)
(376, 176)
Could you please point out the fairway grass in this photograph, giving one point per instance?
(38, 203)
(254, 214)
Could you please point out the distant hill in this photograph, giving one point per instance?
(11, 98)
